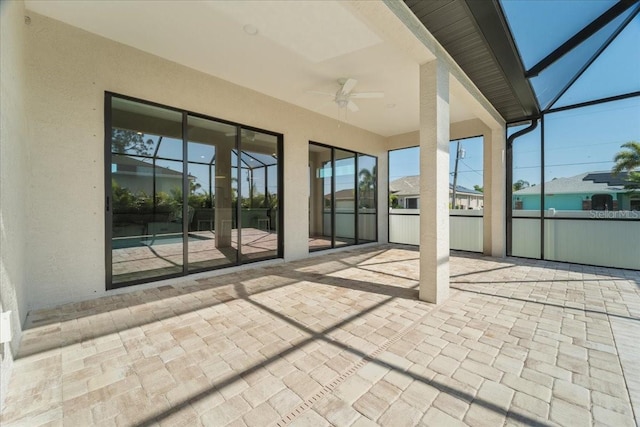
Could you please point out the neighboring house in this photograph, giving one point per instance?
(344, 199)
(587, 191)
(138, 176)
(407, 189)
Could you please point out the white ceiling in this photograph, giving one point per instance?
(300, 46)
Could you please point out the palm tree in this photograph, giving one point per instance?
(629, 160)
(367, 184)
(520, 184)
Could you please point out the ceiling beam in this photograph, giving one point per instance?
(596, 25)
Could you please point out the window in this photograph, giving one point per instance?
(342, 197)
(466, 173)
(465, 187)
(186, 193)
(602, 202)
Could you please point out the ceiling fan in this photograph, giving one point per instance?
(344, 95)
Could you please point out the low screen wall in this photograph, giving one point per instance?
(602, 238)
(465, 228)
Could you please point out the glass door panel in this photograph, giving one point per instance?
(211, 177)
(367, 201)
(258, 195)
(320, 197)
(345, 198)
(146, 192)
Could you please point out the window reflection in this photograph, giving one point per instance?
(146, 192)
(320, 197)
(367, 198)
(345, 198)
(209, 148)
(172, 215)
(342, 197)
(259, 195)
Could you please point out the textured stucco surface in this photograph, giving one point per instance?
(13, 170)
(68, 72)
(434, 181)
(495, 178)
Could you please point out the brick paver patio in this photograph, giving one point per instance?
(341, 339)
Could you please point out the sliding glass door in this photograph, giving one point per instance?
(209, 151)
(345, 198)
(146, 178)
(186, 193)
(259, 201)
(342, 197)
(367, 199)
(320, 197)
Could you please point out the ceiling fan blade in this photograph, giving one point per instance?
(352, 106)
(348, 86)
(317, 92)
(363, 95)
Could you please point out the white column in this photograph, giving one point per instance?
(494, 224)
(296, 195)
(434, 182)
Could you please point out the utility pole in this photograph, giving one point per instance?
(459, 155)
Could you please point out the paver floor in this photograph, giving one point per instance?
(341, 339)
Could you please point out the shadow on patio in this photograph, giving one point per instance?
(335, 339)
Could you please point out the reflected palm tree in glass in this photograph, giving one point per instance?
(366, 185)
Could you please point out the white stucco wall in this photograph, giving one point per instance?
(13, 183)
(68, 72)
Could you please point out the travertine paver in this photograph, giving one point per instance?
(341, 339)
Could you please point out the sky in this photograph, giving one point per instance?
(576, 141)
(406, 162)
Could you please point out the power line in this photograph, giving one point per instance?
(471, 169)
(565, 164)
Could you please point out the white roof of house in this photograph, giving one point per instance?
(410, 186)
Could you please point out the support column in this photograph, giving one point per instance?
(434, 182)
(296, 194)
(224, 202)
(494, 224)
